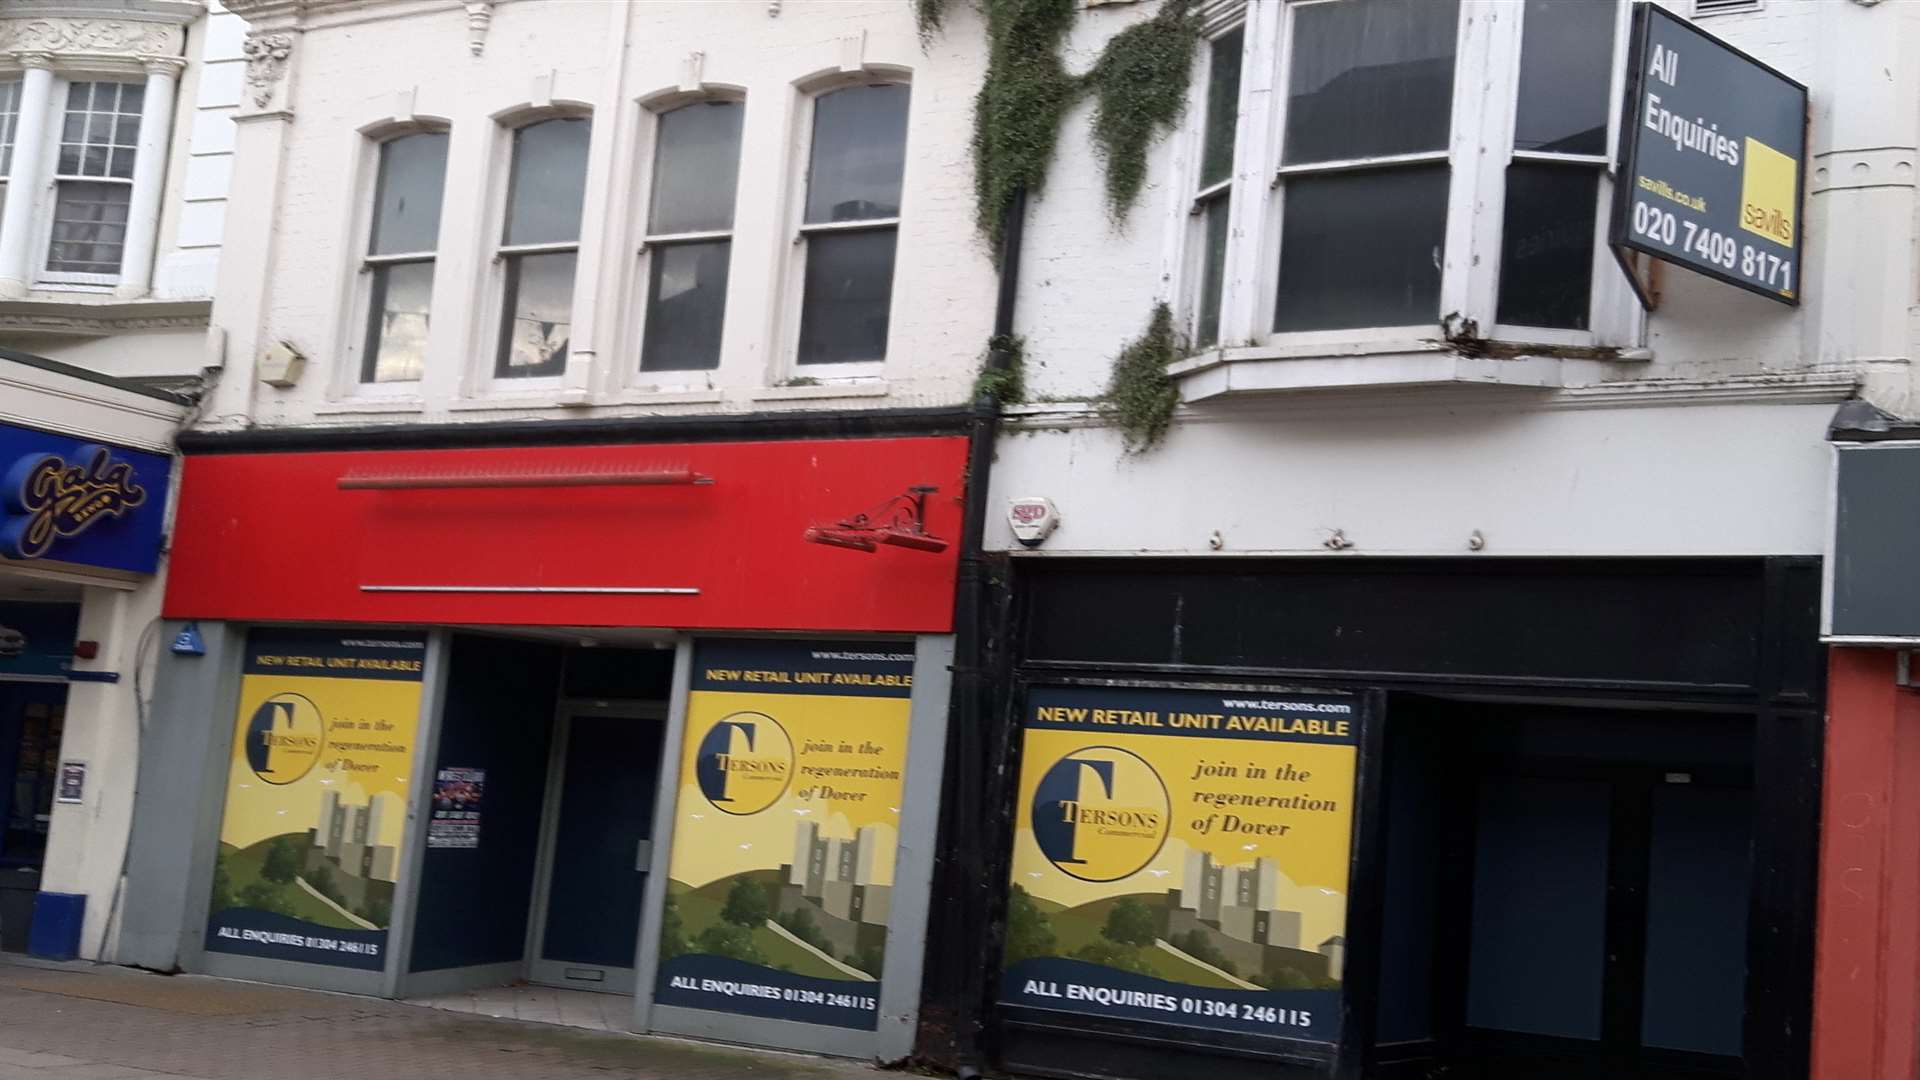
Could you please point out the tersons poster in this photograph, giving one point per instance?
(1181, 857)
(788, 816)
(316, 796)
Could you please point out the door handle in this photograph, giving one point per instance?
(643, 859)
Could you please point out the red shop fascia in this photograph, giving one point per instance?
(691, 527)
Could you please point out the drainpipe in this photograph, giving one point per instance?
(957, 987)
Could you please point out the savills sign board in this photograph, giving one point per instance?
(1713, 151)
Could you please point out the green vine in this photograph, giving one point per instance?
(1140, 394)
(1005, 385)
(1139, 84)
(929, 14)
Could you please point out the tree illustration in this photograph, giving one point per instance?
(281, 863)
(673, 932)
(262, 896)
(1029, 934)
(1130, 922)
(746, 904)
(222, 896)
(729, 940)
(1114, 955)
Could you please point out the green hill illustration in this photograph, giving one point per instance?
(735, 917)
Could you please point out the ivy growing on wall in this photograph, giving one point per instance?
(1140, 394)
(1139, 86)
(1006, 385)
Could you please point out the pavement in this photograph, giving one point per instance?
(91, 1022)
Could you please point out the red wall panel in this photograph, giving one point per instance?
(273, 537)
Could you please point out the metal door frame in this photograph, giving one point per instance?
(617, 980)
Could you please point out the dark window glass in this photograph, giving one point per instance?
(849, 287)
(1213, 274)
(696, 167)
(1362, 249)
(537, 314)
(859, 153)
(1566, 66)
(1546, 248)
(101, 131)
(397, 322)
(406, 213)
(549, 181)
(1370, 78)
(686, 304)
(1223, 107)
(89, 227)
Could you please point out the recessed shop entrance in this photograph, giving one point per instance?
(1590, 876)
(36, 649)
(545, 770)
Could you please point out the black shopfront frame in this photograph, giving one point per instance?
(1704, 637)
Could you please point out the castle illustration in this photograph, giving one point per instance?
(833, 880)
(1237, 908)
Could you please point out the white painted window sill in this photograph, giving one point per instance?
(369, 405)
(1385, 363)
(637, 396)
(825, 391)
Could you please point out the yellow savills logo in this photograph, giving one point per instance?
(1769, 193)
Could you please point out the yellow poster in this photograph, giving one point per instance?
(788, 817)
(317, 795)
(1181, 857)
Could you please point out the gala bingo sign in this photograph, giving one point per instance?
(1181, 857)
(1712, 151)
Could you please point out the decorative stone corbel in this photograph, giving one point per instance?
(479, 21)
(267, 58)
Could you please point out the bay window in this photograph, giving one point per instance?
(1411, 169)
(93, 178)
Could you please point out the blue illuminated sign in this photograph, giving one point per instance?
(72, 501)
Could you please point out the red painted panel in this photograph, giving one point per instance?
(273, 537)
(1867, 971)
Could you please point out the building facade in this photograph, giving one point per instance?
(115, 145)
(1549, 535)
(571, 533)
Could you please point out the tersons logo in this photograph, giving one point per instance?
(49, 498)
(285, 738)
(1101, 814)
(744, 763)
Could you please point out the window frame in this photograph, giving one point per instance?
(787, 364)
(492, 311)
(371, 143)
(10, 128)
(1193, 223)
(46, 205)
(646, 168)
(1477, 151)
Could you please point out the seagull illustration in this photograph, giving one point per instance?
(744, 847)
(698, 817)
(1248, 847)
(1033, 873)
(895, 809)
(804, 812)
(1159, 873)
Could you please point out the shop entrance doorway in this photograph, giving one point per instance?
(597, 847)
(546, 771)
(1587, 889)
(36, 650)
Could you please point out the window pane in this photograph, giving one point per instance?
(89, 228)
(397, 322)
(1546, 250)
(859, 151)
(549, 182)
(686, 303)
(1223, 107)
(696, 168)
(9, 120)
(1362, 249)
(1370, 78)
(538, 315)
(1213, 274)
(1566, 65)
(406, 215)
(849, 287)
(91, 142)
